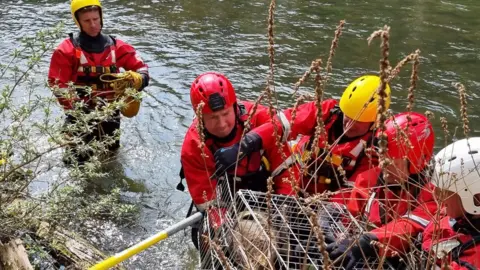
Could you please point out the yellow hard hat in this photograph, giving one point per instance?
(360, 99)
(76, 5)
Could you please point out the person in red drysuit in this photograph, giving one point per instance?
(224, 119)
(398, 203)
(348, 130)
(454, 241)
(81, 59)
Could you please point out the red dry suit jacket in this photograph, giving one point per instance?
(347, 152)
(459, 239)
(71, 63)
(400, 212)
(198, 170)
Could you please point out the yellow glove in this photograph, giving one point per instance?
(121, 81)
(135, 78)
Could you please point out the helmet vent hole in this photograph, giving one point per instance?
(452, 158)
(371, 100)
(354, 88)
(349, 97)
(221, 83)
(414, 124)
(473, 152)
(362, 79)
(200, 89)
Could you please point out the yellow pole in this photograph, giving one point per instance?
(122, 256)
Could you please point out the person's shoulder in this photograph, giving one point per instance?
(66, 43)
(330, 103)
(249, 106)
(65, 46)
(367, 178)
(192, 138)
(123, 47)
(119, 43)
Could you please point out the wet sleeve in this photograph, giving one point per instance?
(198, 169)
(129, 59)
(285, 172)
(279, 165)
(399, 233)
(304, 122)
(60, 74)
(306, 117)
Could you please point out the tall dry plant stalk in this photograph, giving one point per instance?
(271, 49)
(268, 198)
(271, 56)
(409, 58)
(320, 127)
(446, 132)
(328, 68)
(320, 84)
(200, 128)
(333, 48)
(268, 89)
(381, 112)
(413, 83)
(313, 218)
(247, 124)
(463, 107)
(218, 250)
(299, 101)
(415, 59)
(305, 76)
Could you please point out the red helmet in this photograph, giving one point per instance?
(421, 140)
(215, 90)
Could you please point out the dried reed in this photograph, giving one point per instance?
(463, 107)
(381, 112)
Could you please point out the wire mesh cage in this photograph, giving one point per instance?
(255, 230)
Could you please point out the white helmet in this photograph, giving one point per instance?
(457, 169)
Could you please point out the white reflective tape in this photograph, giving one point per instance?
(83, 59)
(80, 69)
(370, 202)
(358, 148)
(114, 57)
(206, 205)
(417, 219)
(285, 125)
(287, 163)
(452, 222)
(352, 163)
(142, 69)
(444, 248)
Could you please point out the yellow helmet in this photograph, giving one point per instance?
(76, 5)
(360, 99)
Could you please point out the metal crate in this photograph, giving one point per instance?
(244, 240)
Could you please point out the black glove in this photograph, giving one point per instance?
(353, 251)
(227, 157)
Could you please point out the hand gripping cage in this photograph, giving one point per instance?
(258, 231)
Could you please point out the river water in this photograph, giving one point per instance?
(180, 39)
